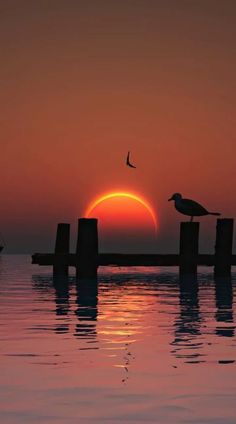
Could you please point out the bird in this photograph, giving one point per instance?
(128, 162)
(190, 207)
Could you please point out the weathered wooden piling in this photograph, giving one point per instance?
(223, 247)
(189, 235)
(87, 248)
(62, 248)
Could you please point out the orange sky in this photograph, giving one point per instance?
(83, 82)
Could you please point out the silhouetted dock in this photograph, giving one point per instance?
(129, 259)
(87, 259)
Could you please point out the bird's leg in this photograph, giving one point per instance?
(191, 219)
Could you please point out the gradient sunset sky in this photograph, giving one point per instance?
(83, 82)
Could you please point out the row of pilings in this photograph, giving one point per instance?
(87, 259)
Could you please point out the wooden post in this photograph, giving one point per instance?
(62, 247)
(87, 248)
(189, 234)
(223, 247)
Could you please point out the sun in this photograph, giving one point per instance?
(119, 195)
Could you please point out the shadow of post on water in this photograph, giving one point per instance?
(224, 306)
(187, 325)
(86, 311)
(56, 288)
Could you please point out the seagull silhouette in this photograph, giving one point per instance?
(190, 207)
(128, 162)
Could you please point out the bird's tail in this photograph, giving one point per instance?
(215, 213)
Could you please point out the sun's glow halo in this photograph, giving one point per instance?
(118, 194)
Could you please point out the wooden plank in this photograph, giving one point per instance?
(120, 259)
(48, 259)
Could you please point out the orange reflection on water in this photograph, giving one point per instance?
(123, 324)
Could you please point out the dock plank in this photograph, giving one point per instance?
(120, 259)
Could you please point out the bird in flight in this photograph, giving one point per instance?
(190, 207)
(128, 161)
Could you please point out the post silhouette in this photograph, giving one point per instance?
(223, 247)
(188, 261)
(62, 248)
(87, 248)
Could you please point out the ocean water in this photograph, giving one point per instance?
(137, 347)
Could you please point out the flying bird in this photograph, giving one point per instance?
(190, 207)
(128, 161)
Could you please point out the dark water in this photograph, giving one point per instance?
(136, 348)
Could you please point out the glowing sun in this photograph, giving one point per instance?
(125, 206)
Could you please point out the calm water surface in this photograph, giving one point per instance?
(138, 347)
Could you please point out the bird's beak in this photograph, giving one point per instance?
(171, 198)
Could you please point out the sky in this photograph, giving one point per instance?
(84, 82)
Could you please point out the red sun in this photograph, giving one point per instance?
(123, 217)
